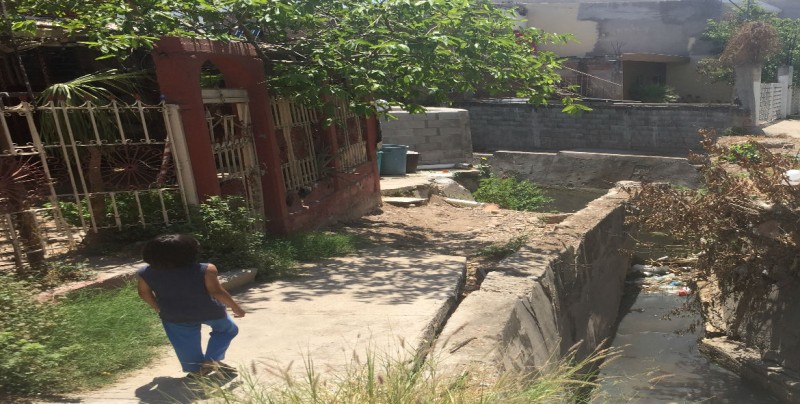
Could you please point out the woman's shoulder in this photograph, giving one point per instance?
(207, 267)
(143, 270)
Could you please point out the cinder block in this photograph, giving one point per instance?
(454, 132)
(447, 123)
(408, 124)
(423, 132)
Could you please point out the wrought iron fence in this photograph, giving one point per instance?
(70, 170)
(229, 125)
(299, 134)
(307, 152)
(350, 136)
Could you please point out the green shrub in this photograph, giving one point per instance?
(128, 209)
(742, 151)
(484, 169)
(275, 258)
(230, 237)
(32, 362)
(510, 193)
(735, 131)
(228, 232)
(84, 341)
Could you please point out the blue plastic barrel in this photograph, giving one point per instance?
(380, 157)
(394, 159)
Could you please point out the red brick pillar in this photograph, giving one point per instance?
(248, 73)
(178, 75)
(372, 137)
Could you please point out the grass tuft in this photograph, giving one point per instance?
(499, 251)
(316, 245)
(510, 193)
(405, 380)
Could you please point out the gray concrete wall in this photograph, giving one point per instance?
(765, 318)
(608, 29)
(592, 170)
(671, 27)
(663, 129)
(441, 135)
(547, 297)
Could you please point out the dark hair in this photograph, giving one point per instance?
(171, 251)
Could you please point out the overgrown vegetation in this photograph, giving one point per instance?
(84, 341)
(230, 237)
(31, 359)
(125, 208)
(741, 151)
(750, 34)
(743, 225)
(396, 379)
(511, 193)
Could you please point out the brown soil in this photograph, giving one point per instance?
(441, 228)
(776, 144)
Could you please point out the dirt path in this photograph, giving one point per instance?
(441, 228)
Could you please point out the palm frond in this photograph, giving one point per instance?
(99, 88)
(96, 87)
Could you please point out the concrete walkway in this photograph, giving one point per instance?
(387, 301)
(789, 127)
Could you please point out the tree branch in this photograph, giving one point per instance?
(251, 39)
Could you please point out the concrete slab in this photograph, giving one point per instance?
(422, 182)
(789, 127)
(402, 201)
(388, 301)
(403, 184)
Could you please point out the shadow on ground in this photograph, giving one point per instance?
(174, 390)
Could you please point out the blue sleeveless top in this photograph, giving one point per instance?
(181, 294)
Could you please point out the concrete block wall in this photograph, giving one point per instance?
(664, 129)
(553, 293)
(592, 170)
(440, 135)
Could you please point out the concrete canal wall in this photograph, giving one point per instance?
(554, 293)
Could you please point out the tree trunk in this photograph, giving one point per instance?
(25, 224)
(96, 186)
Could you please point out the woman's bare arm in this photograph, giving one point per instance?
(219, 293)
(147, 294)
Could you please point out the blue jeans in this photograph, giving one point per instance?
(185, 338)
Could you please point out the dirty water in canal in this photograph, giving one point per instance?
(659, 361)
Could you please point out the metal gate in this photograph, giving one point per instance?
(67, 171)
(231, 131)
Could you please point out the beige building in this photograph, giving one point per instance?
(627, 45)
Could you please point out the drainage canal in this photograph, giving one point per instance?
(657, 334)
